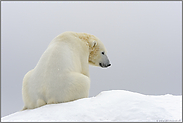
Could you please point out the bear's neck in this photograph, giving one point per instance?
(86, 38)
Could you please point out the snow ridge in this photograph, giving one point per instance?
(113, 106)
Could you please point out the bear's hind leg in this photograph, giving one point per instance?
(79, 86)
(40, 102)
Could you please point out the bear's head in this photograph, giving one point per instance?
(97, 55)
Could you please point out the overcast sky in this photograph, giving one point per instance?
(143, 40)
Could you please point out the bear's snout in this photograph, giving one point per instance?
(104, 61)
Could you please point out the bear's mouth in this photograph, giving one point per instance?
(104, 65)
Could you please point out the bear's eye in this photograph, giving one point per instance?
(103, 53)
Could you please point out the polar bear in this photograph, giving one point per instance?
(62, 73)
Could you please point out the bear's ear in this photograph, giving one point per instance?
(94, 43)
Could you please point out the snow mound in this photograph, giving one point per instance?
(115, 105)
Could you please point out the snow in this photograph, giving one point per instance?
(113, 106)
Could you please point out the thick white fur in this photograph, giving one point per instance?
(62, 73)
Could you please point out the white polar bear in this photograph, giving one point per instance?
(62, 73)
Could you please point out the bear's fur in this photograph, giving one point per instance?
(62, 73)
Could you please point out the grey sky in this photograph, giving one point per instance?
(143, 40)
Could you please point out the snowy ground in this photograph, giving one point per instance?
(115, 105)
